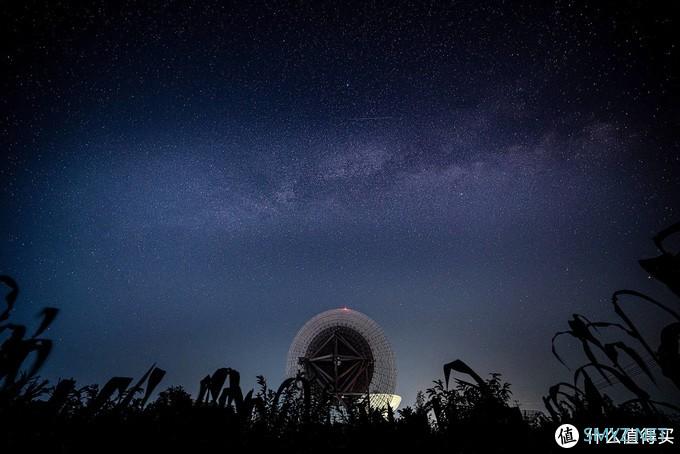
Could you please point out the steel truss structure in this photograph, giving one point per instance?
(347, 354)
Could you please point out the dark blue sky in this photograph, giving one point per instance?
(191, 183)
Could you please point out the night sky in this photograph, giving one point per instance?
(189, 183)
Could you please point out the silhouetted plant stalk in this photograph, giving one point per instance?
(120, 387)
(450, 417)
(584, 400)
(666, 267)
(15, 371)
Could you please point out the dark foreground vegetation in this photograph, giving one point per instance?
(461, 413)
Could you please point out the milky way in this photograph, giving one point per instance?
(190, 185)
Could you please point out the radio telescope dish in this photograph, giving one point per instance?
(347, 354)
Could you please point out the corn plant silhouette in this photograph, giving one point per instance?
(471, 408)
(456, 414)
(666, 267)
(570, 401)
(120, 386)
(16, 350)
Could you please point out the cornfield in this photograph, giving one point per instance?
(457, 414)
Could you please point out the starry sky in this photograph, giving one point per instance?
(191, 182)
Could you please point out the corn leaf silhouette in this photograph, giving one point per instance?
(60, 394)
(666, 267)
(15, 351)
(246, 407)
(217, 382)
(235, 394)
(617, 294)
(285, 384)
(48, 314)
(624, 379)
(136, 388)
(591, 402)
(572, 404)
(668, 355)
(629, 323)
(460, 367)
(29, 389)
(10, 297)
(222, 400)
(235, 397)
(279, 413)
(555, 389)
(42, 348)
(612, 353)
(593, 396)
(548, 404)
(114, 385)
(155, 378)
(580, 330)
(203, 392)
(260, 405)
